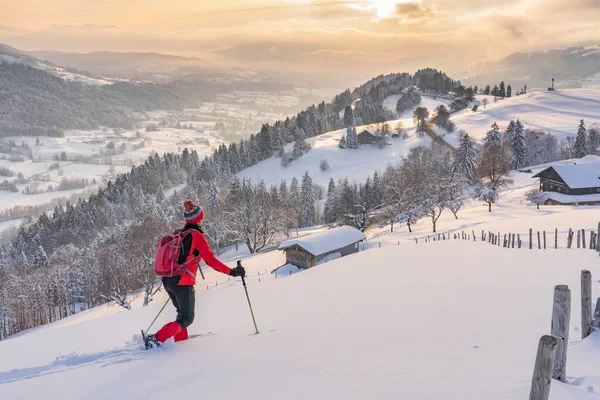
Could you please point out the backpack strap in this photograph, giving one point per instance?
(182, 267)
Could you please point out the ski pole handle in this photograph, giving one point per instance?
(239, 264)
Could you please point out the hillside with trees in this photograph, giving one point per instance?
(34, 102)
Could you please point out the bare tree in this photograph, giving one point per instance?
(537, 197)
(493, 170)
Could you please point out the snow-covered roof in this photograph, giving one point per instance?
(578, 176)
(368, 130)
(324, 242)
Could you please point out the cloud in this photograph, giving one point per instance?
(413, 11)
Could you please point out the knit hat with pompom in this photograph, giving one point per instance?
(193, 214)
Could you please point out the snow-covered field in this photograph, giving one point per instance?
(443, 320)
(557, 112)
(354, 164)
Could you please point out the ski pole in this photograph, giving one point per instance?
(239, 263)
(200, 269)
(155, 318)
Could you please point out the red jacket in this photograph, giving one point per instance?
(200, 248)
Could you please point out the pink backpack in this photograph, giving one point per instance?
(167, 253)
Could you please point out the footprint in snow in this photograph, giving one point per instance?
(475, 347)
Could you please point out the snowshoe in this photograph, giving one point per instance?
(150, 341)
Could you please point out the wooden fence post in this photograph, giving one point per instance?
(504, 242)
(561, 317)
(542, 370)
(544, 240)
(539, 243)
(570, 238)
(596, 320)
(530, 238)
(513, 240)
(499, 239)
(598, 237)
(583, 237)
(519, 239)
(556, 238)
(586, 303)
(578, 238)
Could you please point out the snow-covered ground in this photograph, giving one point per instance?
(354, 164)
(557, 112)
(443, 320)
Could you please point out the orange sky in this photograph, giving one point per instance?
(305, 35)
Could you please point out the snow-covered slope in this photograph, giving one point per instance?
(441, 320)
(354, 164)
(557, 112)
(446, 320)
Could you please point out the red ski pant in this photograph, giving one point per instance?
(184, 300)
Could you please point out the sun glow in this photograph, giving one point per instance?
(383, 8)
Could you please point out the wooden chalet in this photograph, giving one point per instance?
(308, 251)
(566, 180)
(367, 136)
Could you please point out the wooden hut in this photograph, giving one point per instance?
(308, 251)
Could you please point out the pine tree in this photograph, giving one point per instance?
(492, 138)
(40, 259)
(283, 192)
(495, 127)
(307, 201)
(502, 90)
(214, 197)
(465, 159)
(342, 143)
(265, 147)
(519, 151)
(593, 140)
(509, 132)
(351, 138)
(348, 117)
(23, 261)
(580, 147)
(330, 214)
(508, 91)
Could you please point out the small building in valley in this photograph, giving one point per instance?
(308, 251)
(571, 183)
(367, 136)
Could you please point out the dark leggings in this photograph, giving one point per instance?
(183, 298)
